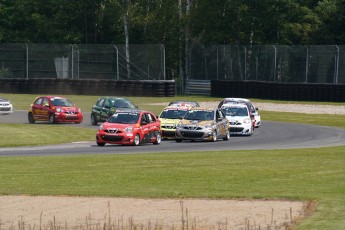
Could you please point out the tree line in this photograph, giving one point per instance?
(178, 24)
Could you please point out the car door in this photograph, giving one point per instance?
(45, 109)
(40, 109)
(97, 108)
(145, 127)
(222, 122)
(105, 111)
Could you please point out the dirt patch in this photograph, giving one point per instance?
(43, 212)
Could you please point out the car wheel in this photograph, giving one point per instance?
(136, 140)
(93, 120)
(178, 140)
(214, 136)
(158, 139)
(31, 118)
(51, 118)
(100, 143)
(227, 136)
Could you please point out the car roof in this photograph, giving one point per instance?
(177, 107)
(184, 102)
(203, 108)
(132, 111)
(234, 105)
(236, 99)
(51, 96)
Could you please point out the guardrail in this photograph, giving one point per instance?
(278, 91)
(158, 88)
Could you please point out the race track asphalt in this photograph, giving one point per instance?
(271, 135)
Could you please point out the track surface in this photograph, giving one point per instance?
(271, 135)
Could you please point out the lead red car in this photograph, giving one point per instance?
(130, 127)
(54, 109)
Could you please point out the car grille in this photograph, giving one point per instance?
(168, 127)
(235, 123)
(71, 118)
(168, 133)
(112, 138)
(5, 109)
(234, 129)
(113, 131)
(192, 134)
(71, 112)
(192, 127)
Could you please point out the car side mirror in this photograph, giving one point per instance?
(257, 108)
(252, 115)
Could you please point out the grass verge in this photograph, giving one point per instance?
(296, 174)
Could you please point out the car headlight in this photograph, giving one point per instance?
(208, 126)
(59, 110)
(79, 110)
(179, 125)
(100, 127)
(247, 121)
(128, 129)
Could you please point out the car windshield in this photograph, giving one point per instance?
(199, 115)
(61, 102)
(173, 113)
(235, 111)
(121, 103)
(124, 118)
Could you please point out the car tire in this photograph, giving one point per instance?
(214, 136)
(136, 140)
(31, 118)
(178, 140)
(100, 143)
(93, 120)
(51, 119)
(158, 139)
(227, 136)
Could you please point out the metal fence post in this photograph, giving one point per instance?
(117, 63)
(337, 64)
(27, 61)
(306, 65)
(275, 63)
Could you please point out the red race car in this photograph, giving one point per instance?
(130, 127)
(54, 109)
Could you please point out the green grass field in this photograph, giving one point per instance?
(296, 174)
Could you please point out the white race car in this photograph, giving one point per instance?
(239, 117)
(5, 106)
(252, 109)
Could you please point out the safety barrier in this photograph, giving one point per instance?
(278, 91)
(150, 88)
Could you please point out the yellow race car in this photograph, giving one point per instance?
(169, 118)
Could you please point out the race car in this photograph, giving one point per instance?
(184, 103)
(130, 127)
(54, 109)
(5, 106)
(252, 109)
(239, 118)
(204, 124)
(169, 117)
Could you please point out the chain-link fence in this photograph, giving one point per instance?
(66, 61)
(273, 63)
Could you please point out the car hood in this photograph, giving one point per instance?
(197, 122)
(119, 126)
(4, 101)
(236, 118)
(67, 108)
(169, 121)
